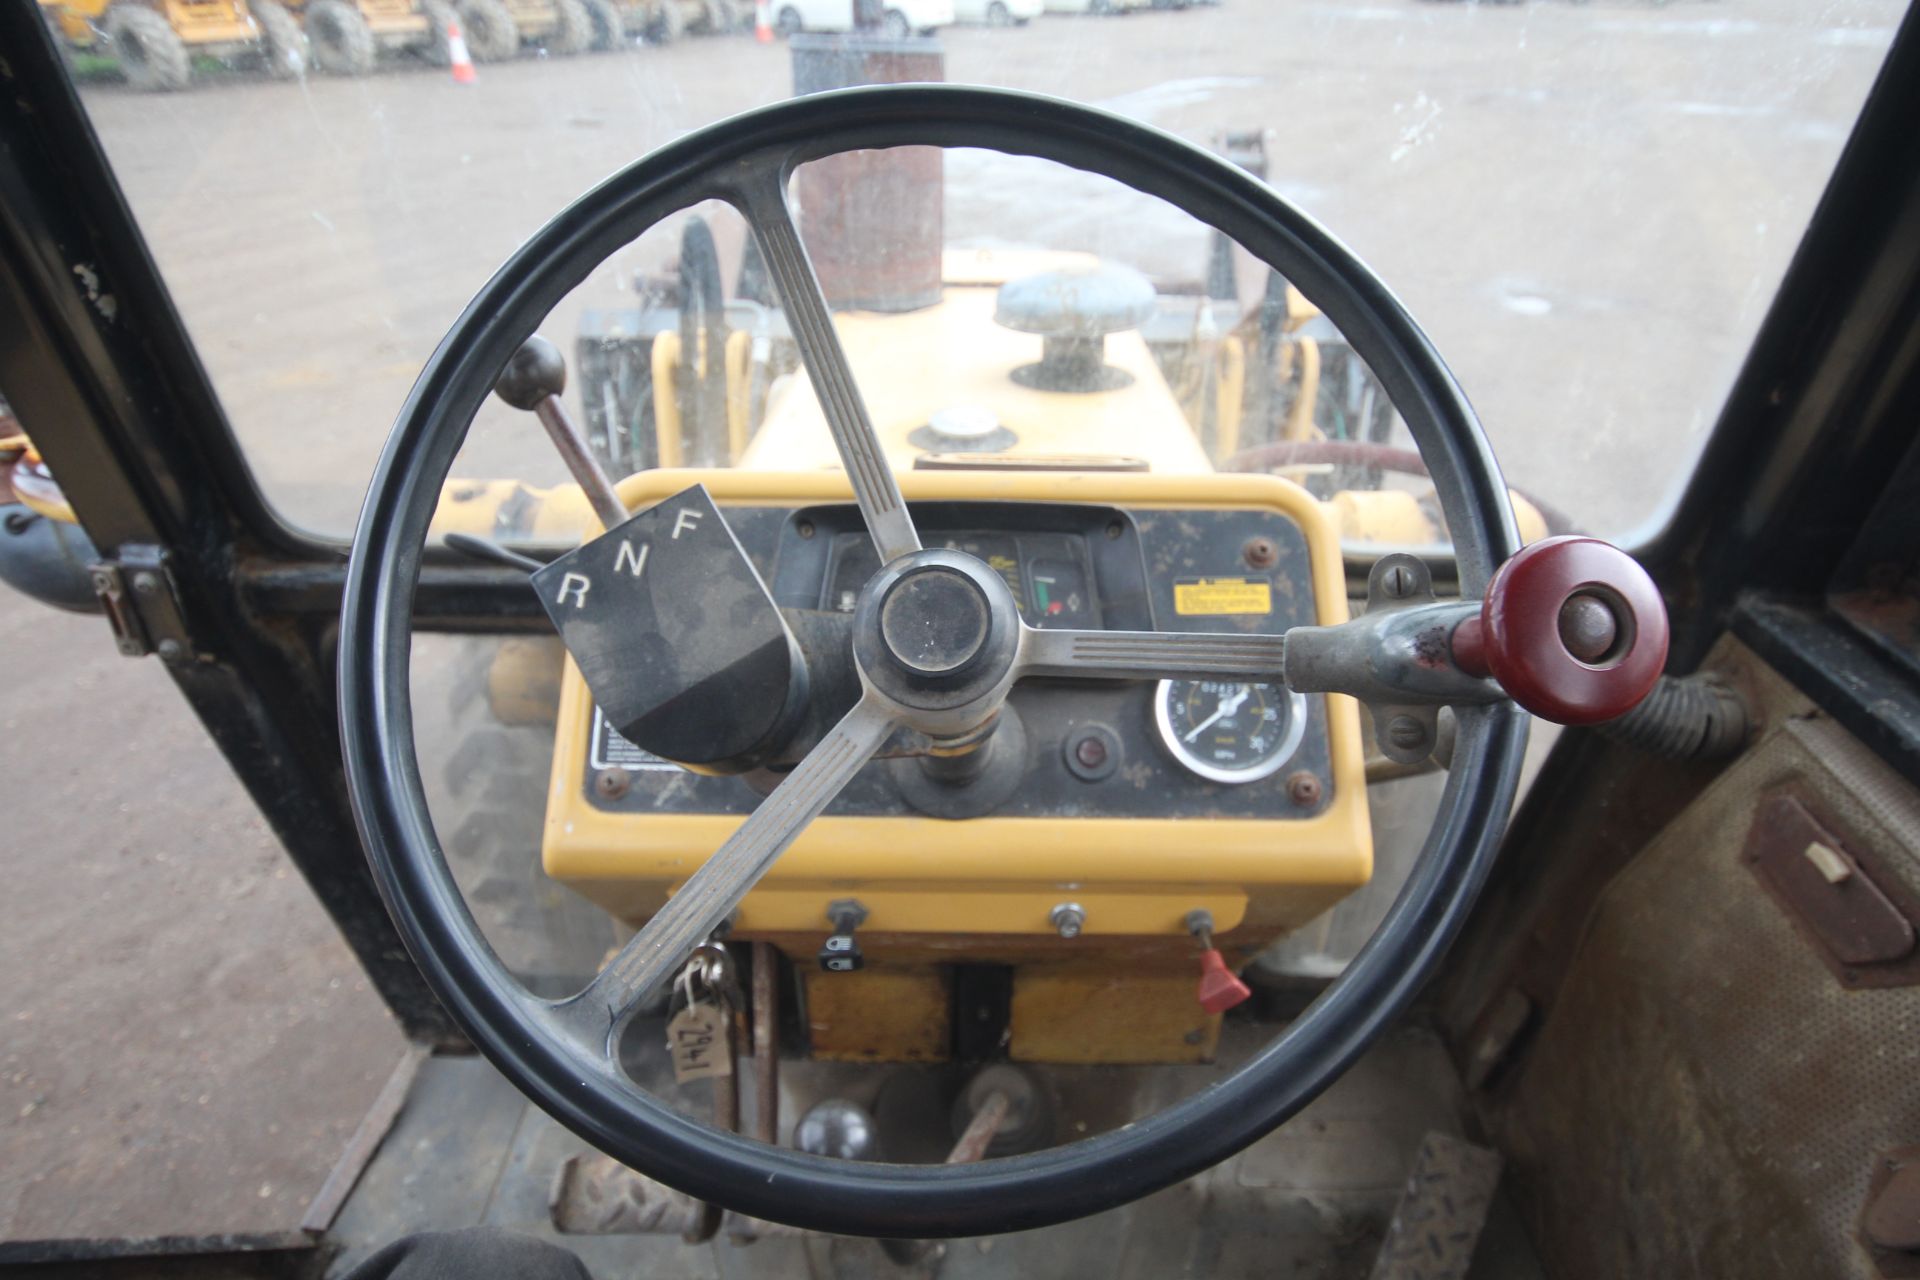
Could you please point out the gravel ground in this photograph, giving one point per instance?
(185, 1042)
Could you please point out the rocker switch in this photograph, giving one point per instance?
(841, 952)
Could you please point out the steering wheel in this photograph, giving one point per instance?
(938, 642)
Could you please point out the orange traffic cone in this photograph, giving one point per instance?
(457, 53)
(763, 22)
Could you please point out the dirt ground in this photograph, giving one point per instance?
(1587, 205)
(185, 1042)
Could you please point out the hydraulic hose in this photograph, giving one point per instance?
(1685, 718)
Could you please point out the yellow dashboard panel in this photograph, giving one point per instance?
(1135, 875)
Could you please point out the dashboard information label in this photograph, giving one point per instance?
(1218, 596)
(611, 751)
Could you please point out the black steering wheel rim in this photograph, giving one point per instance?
(516, 1030)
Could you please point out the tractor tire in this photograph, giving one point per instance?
(492, 34)
(486, 784)
(284, 50)
(670, 24)
(572, 29)
(605, 20)
(433, 48)
(998, 15)
(895, 25)
(342, 41)
(152, 55)
(789, 23)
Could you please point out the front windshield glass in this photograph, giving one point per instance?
(1589, 208)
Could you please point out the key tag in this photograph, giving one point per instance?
(697, 1034)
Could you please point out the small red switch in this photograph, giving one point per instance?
(1220, 989)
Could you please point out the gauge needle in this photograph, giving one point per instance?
(1227, 706)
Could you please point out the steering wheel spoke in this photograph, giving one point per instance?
(763, 201)
(654, 954)
(1151, 655)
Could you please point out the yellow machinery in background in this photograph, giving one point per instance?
(347, 36)
(155, 43)
(495, 29)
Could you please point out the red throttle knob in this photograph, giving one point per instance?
(1572, 628)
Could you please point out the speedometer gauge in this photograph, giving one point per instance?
(1229, 732)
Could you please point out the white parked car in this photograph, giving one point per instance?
(895, 17)
(1095, 6)
(998, 13)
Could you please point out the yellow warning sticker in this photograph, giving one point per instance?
(1222, 596)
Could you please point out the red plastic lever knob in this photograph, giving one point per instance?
(1220, 989)
(1572, 628)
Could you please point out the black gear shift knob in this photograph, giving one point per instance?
(537, 371)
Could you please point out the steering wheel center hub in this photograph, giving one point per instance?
(935, 621)
(936, 634)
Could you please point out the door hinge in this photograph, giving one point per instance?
(142, 603)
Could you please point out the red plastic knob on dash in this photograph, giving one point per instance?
(1572, 628)
(1220, 989)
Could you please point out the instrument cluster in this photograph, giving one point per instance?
(1171, 748)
